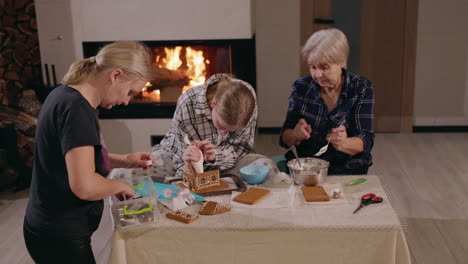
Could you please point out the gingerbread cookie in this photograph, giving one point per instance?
(251, 196)
(213, 208)
(182, 216)
(315, 194)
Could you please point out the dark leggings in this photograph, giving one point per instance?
(44, 249)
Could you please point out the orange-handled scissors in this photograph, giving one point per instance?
(367, 199)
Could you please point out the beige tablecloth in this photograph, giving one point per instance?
(298, 233)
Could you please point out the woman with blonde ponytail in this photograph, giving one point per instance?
(71, 162)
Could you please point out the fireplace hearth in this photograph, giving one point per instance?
(179, 66)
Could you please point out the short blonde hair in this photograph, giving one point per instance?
(132, 57)
(235, 101)
(327, 46)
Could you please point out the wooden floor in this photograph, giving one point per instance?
(426, 176)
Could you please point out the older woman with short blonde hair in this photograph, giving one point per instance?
(331, 105)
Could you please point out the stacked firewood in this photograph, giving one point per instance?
(20, 66)
(25, 125)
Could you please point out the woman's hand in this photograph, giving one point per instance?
(206, 148)
(127, 192)
(191, 153)
(301, 131)
(138, 160)
(337, 137)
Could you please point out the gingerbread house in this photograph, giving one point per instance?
(199, 181)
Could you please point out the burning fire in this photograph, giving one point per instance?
(196, 68)
(177, 66)
(193, 65)
(172, 60)
(154, 95)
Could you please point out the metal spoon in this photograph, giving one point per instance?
(294, 151)
(325, 148)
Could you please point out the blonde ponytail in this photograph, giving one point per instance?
(79, 71)
(132, 57)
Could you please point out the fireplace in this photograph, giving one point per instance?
(179, 66)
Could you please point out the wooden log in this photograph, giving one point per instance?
(3, 97)
(29, 9)
(21, 54)
(11, 75)
(164, 77)
(23, 16)
(22, 121)
(2, 37)
(29, 103)
(14, 67)
(21, 140)
(7, 54)
(26, 156)
(33, 24)
(25, 145)
(11, 91)
(9, 7)
(36, 58)
(27, 72)
(12, 32)
(19, 4)
(24, 27)
(8, 21)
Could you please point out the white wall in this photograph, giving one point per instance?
(277, 32)
(164, 20)
(441, 92)
(110, 20)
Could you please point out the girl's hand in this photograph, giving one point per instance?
(206, 148)
(191, 153)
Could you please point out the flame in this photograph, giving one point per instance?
(193, 66)
(153, 95)
(196, 68)
(172, 60)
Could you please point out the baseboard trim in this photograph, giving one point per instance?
(269, 130)
(439, 129)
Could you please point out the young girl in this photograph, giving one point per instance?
(70, 160)
(219, 119)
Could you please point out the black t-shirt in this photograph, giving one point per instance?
(66, 121)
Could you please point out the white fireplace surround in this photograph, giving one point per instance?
(64, 24)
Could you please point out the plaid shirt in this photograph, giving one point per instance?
(193, 117)
(354, 106)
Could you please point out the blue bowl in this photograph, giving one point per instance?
(254, 174)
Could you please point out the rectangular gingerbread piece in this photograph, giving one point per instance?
(213, 208)
(182, 216)
(315, 194)
(251, 196)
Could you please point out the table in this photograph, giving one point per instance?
(300, 233)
